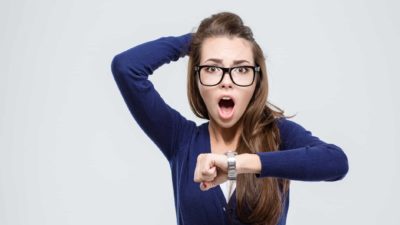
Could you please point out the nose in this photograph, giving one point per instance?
(226, 80)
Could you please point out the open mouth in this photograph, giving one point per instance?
(226, 103)
(226, 108)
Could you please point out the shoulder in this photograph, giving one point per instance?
(286, 126)
(193, 130)
(293, 134)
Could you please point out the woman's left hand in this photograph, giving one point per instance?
(211, 170)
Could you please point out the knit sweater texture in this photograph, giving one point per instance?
(301, 156)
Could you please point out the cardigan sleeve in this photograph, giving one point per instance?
(131, 68)
(303, 156)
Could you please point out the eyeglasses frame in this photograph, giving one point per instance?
(256, 69)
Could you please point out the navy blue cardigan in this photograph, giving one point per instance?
(301, 155)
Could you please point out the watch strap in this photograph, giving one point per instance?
(232, 173)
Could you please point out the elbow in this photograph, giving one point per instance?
(341, 165)
(345, 165)
(343, 169)
(123, 66)
(117, 65)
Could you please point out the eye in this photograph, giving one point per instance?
(242, 69)
(212, 69)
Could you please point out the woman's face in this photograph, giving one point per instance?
(225, 52)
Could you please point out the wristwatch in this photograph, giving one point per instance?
(231, 165)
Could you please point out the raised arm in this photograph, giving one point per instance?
(303, 157)
(164, 125)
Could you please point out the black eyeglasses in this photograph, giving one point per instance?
(213, 75)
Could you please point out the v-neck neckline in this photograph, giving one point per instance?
(217, 190)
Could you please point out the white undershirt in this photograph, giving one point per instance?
(225, 188)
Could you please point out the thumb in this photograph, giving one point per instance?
(219, 179)
(212, 170)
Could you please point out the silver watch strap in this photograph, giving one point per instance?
(231, 165)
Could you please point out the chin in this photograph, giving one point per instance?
(227, 124)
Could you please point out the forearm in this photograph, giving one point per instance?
(322, 162)
(143, 59)
(162, 123)
(248, 163)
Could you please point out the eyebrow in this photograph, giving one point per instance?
(235, 62)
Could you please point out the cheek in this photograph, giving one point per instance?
(246, 96)
(251, 93)
(206, 95)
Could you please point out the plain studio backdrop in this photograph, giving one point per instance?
(71, 153)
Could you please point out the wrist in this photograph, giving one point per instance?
(248, 163)
(231, 165)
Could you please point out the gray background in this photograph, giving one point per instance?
(71, 153)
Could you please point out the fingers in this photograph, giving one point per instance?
(205, 186)
(219, 179)
(208, 172)
(205, 174)
(205, 169)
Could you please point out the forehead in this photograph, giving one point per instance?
(228, 49)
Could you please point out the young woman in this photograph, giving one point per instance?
(228, 86)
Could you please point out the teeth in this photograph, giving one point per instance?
(226, 98)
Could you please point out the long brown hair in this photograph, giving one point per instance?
(263, 196)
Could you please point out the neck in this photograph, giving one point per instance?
(225, 137)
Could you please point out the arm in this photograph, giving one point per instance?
(304, 157)
(131, 68)
(248, 163)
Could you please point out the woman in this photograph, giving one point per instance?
(228, 86)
